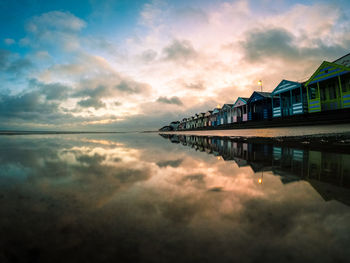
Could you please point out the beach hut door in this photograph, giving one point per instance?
(286, 106)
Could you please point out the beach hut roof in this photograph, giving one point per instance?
(259, 95)
(240, 99)
(227, 106)
(327, 70)
(344, 60)
(285, 85)
(216, 110)
(208, 113)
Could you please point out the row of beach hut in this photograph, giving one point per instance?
(327, 89)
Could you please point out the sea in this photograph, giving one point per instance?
(145, 197)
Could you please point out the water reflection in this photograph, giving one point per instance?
(137, 198)
(328, 172)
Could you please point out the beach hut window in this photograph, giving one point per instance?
(313, 93)
(345, 85)
(244, 109)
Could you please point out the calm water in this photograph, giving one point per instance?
(145, 198)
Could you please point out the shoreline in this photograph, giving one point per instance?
(325, 141)
(268, 132)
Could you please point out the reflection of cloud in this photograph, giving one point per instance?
(172, 163)
(86, 191)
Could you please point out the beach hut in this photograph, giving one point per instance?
(215, 118)
(226, 113)
(200, 122)
(291, 99)
(207, 118)
(240, 110)
(260, 106)
(329, 87)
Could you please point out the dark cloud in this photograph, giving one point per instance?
(92, 102)
(25, 105)
(99, 92)
(179, 50)
(52, 91)
(280, 43)
(172, 100)
(132, 87)
(172, 163)
(10, 64)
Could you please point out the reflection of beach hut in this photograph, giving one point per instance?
(240, 110)
(291, 99)
(259, 106)
(329, 87)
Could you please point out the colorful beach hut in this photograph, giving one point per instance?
(207, 118)
(291, 99)
(240, 110)
(329, 87)
(260, 106)
(225, 113)
(215, 118)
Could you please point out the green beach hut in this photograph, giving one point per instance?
(329, 87)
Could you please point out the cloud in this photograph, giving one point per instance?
(9, 41)
(271, 43)
(30, 105)
(172, 100)
(179, 50)
(55, 21)
(195, 85)
(52, 91)
(172, 163)
(132, 87)
(13, 64)
(54, 28)
(92, 102)
(148, 55)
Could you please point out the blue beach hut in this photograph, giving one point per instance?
(291, 99)
(259, 106)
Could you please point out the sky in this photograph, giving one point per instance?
(138, 65)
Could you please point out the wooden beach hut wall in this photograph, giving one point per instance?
(291, 99)
(240, 110)
(226, 113)
(215, 117)
(328, 88)
(188, 123)
(192, 122)
(201, 120)
(259, 106)
(207, 122)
